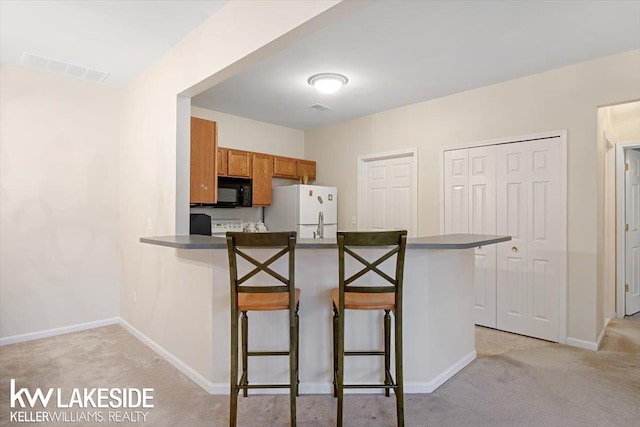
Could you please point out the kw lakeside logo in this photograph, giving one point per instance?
(113, 405)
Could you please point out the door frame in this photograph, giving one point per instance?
(362, 159)
(621, 206)
(562, 135)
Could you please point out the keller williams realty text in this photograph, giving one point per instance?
(78, 417)
(78, 399)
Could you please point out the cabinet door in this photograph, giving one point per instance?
(239, 163)
(306, 167)
(204, 142)
(222, 161)
(482, 220)
(285, 167)
(262, 172)
(456, 191)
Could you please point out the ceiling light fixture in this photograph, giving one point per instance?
(327, 82)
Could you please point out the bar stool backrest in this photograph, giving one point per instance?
(236, 241)
(397, 243)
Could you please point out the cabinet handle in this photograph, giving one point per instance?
(514, 249)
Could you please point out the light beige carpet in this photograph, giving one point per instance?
(516, 381)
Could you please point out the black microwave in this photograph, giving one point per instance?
(234, 192)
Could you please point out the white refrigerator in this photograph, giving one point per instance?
(311, 210)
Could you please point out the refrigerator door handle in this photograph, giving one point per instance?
(320, 233)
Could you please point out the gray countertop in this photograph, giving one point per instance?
(446, 241)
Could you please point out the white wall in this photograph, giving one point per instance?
(625, 122)
(175, 288)
(253, 135)
(60, 263)
(565, 98)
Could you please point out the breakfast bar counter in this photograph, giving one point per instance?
(445, 241)
(439, 335)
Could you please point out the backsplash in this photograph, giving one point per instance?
(244, 214)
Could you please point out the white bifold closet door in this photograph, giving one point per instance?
(456, 191)
(482, 220)
(529, 178)
(470, 203)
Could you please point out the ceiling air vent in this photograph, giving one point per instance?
(319, 107)
(63, 68)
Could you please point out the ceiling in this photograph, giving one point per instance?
(394, 52)
(397, 53)
(121, 38)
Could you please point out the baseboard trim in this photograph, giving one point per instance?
(410, 387)
(327, 388)
(192, 374)
(431, 386)
(602, 333)
(58, 331)
(305, 389)
(316, 388)
(587, 345)
(223, 388)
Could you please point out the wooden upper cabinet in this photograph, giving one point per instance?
(238, 163)
(262, 165)
(306, 167)
(204, 144)
(222, 159)
(285, 167)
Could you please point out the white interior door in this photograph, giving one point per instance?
(389, 194)
(516, 189)
(632, 236)
(546, 250)
(512, 220)
(456, 191)
(530, 209)
(482, 220)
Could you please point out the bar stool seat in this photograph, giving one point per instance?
(365, 301)
(265, 301)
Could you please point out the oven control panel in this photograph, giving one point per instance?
(221, 226)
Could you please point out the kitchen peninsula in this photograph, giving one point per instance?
(439, 335)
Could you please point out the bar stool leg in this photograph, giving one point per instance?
(233, 392)
(387, 351)
(335, 350)
(340, 373)
(245, 352)
(293, 357)
(399, 375)
(297, 351)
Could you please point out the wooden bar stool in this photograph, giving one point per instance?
(245, 298)
(385, 297)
